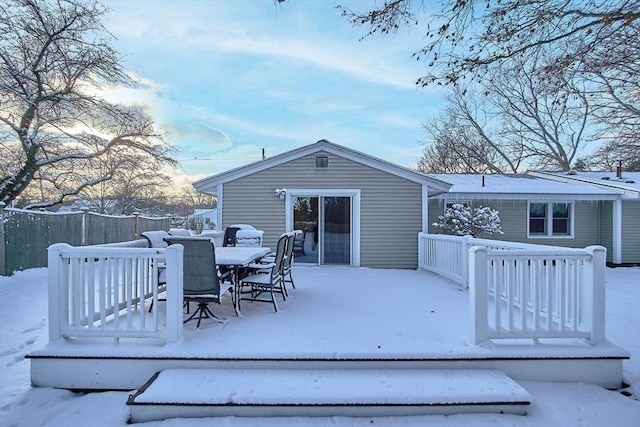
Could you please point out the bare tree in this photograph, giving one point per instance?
(616, 151)
(459, 140)
(136, 186)
(466, 36)
(518, 121)
(54, 128)
(550, 120)
(594, 45)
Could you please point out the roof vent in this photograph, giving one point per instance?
(322, 162)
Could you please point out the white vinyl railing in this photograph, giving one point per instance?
(523, 291)
(537, 294)
(448, 256)
(101, 292)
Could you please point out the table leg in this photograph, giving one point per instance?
(236, 290)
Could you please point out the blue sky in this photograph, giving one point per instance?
(225, 78)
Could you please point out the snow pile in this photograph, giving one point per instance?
(23, 315)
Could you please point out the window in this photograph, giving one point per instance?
(550, 219)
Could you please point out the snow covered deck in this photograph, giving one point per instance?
(335, 318)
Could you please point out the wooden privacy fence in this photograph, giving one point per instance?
(25, 235)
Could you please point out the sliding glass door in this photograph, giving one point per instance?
(336, 230)
(326, 222)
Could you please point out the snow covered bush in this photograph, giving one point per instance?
(461, 220)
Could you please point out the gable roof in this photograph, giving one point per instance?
(627, 184)
(518, 187)
(209, 185)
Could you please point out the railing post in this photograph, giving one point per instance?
(594, 309)
(85, 226)
(464, 260)
(478, 290)
(136, 226)
(3, 253)
(55, 274)
(421, 250)
(174, 263)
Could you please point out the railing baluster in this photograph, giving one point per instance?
(90, 293)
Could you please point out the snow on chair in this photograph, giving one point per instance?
(249, 237)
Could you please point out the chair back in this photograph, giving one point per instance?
(200, 275)
(288, 259)
(276, 271)
(298, 242)
(155, 239)
(230, 236)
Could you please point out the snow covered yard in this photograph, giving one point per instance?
(351, 316)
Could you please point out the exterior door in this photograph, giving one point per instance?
(335, 231)
(326, 222)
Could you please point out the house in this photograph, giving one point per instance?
(549, 209)
(206, 217)
(619, 220)
(350, 205)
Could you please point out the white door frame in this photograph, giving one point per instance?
(353, 193)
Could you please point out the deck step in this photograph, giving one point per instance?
(193, 393)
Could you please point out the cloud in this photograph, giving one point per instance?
(326, 43)
(195, 137)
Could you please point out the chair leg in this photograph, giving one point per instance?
(203, 312)
(273, 299)
(293, 285)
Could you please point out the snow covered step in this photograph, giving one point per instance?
(191, 393)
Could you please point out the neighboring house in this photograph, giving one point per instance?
(536, 208)
(619, 220)
(355, 209)
(207, 217)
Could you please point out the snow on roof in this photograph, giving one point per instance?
(518, 185)
(628, 182)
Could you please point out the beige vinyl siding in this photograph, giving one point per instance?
(390, 211)
(630, 231)
(513, 220)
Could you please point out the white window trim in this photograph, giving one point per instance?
(354, 193)
(549, 219)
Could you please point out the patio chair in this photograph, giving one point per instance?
(287, 263)
(298, 244)
(249, 237)
(243, 226)
(180, 232)
(155, 239)
(201, 282)
(230, 236)
(271, 282)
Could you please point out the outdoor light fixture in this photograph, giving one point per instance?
(281, 192)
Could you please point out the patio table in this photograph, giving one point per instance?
(235, 258)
